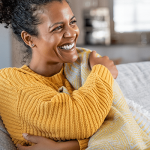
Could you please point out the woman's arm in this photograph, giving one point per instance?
(59, 114)
(70, 145)
(42, 143)
(43, 110)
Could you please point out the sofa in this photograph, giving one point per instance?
(134, 81)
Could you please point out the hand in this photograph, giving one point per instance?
(105, 61)
(41, 143)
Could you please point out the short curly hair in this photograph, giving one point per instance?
(21, 15)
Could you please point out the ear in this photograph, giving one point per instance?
(27, 38)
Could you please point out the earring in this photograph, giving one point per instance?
(32, 45)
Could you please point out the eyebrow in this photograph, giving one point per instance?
(59, 22)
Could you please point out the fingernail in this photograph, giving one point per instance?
(25, 135)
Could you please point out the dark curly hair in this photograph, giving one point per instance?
(21, 15)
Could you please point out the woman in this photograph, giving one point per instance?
(39, 98)
(65, 93)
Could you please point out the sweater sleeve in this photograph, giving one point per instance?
(83, 144)
(60, 116)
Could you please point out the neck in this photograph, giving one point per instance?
(45, 69)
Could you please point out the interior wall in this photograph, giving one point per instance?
(5, 46)
(17, 52)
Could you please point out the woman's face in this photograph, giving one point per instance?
(58, 34)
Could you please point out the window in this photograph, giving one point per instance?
(132, 15)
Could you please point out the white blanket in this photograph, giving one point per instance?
(141, 115)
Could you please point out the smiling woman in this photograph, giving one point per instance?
(66, 93)
(42, 99)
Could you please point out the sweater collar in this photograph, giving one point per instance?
(57, 76)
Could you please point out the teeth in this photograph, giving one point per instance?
(67, 47)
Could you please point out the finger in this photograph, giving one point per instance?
(20, 147)
(32, 138)
(106, 57)
(116, 73)
(93, 54)
(112, 62)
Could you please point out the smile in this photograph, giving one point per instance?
(67, 47)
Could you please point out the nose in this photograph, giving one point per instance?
(70, 32)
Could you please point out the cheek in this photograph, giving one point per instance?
(77, 31)
(55, 40)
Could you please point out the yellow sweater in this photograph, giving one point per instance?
(38, 105)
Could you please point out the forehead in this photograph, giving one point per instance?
(57, 11)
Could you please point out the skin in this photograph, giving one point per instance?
(105, 61)
(57, 29)
(42, 143)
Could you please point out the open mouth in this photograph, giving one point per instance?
(67, 46)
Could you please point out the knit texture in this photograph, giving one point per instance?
(72, 104)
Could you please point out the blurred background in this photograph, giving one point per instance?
(119, 29)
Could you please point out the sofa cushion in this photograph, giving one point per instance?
(134, 81)
(5, 140)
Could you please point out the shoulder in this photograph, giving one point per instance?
(7, 81)
(14, 77)
(7, 75)
(10, 72)
(6, 72)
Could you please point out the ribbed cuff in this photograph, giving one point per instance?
(83, 144)
(104, 73)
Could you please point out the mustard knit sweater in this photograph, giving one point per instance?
(34, 104)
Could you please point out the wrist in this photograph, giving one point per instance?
(68, 145)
